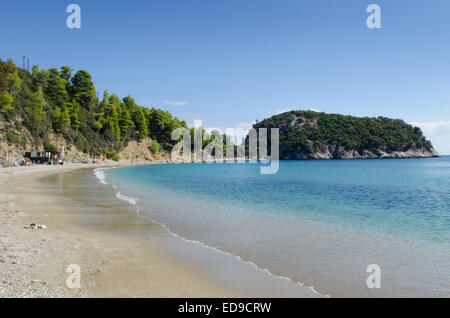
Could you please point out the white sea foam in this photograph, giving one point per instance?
(100, 174)
(239, 258)
(131, 200)
(296, 249)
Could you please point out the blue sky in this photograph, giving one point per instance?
(230, 62)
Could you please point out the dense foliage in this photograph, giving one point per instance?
(310, 131)
(58, 101)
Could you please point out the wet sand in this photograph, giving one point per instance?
(120, 254)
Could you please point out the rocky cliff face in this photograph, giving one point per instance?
(14, 151)
(315, 135)
(333, 152)
(141, 150)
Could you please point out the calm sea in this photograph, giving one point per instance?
(321, 223)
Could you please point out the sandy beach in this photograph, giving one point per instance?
(119, 254)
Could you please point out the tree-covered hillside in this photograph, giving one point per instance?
(65, 103)
(310, 134)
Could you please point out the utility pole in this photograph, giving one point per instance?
(24, 62)
(28, 63)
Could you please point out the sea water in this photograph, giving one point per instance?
(321, 223)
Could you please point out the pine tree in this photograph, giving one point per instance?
(55, 101)
(114, 101)
(83, 90)
(64, 119)
(56, 88)
(140, 123)
(72, 109)
(5, 102)
(125, 123)
(37, 102)
(35, 119)
(13, 81)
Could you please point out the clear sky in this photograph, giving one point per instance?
(230, 62)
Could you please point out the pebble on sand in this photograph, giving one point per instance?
(36, 226)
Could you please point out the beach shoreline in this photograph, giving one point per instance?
(114, 260)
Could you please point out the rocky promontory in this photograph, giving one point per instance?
(316, 135)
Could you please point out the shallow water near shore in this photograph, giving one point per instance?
(100, 207)
(320, 223)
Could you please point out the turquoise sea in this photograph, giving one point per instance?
(320, 223)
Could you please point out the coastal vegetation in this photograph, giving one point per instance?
(317, 135)
(65, 103)
(39, 105)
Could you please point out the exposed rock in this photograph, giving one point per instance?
(36, 226)
(140, 150)
(333, 152)
(314, 135)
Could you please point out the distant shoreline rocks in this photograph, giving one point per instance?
(306, 135)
